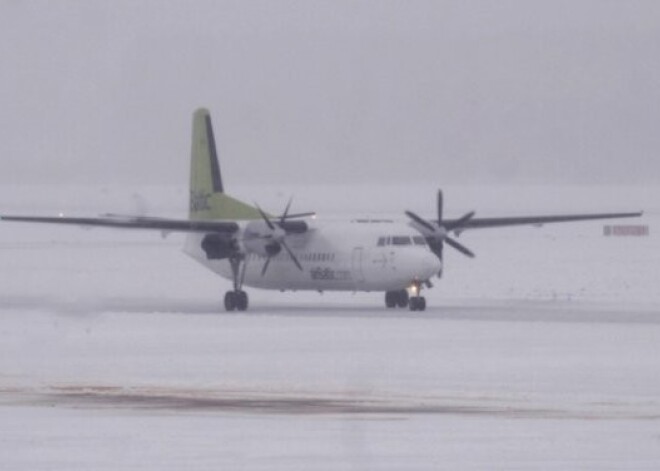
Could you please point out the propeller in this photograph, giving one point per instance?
(277, 237)
(437, 233)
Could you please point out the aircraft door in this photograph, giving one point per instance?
(356, 264)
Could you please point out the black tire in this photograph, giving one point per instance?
(418, 303)
(241, 300)
(413, 303)
(421, 304)
(230, 301)
(391, 299)
(402, 298)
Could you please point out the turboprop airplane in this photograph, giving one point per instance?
(290, 251)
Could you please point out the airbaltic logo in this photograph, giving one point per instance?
(328, 274)
(199, 201)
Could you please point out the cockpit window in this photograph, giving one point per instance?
(381, 241)
(419, 240)
(401, 240)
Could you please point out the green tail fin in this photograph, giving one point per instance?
(207, 197)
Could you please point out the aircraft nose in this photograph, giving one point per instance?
(426, 265)
(432, 265)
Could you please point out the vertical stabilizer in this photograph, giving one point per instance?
(207, 195)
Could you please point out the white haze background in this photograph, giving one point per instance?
(439, 92)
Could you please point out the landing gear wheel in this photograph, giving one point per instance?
(402, 298)
(396, 298)
(230, 300)
(418, 303)
(391, 299)
(236, 301)
(241, 300)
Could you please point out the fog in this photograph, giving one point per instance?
(441, 92)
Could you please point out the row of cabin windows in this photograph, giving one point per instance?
(401, 240)
(311, 257)
(318, 257)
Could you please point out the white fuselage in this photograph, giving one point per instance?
(359, 255)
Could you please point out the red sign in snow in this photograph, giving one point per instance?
(626, 230)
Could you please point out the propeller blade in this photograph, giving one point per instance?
(440, 204)
(436, 246)
(422, 222)
(265, 267)
(286, 211)
(459, 222)
(461, 248)
(265, 218)
(293, 257)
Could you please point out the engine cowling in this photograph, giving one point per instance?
(218, 247)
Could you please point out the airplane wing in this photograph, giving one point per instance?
(483, 223)
(161, 224)
(437, 231)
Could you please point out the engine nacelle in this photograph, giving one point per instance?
(218, 247)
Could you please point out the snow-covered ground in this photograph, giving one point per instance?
(541, 353)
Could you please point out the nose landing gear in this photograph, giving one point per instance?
(417, 303)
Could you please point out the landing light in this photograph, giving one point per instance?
(414, 290)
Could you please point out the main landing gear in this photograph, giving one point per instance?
(237, 300)
(396, 298)
(402, 299)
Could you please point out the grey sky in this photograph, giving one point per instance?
(395, 91)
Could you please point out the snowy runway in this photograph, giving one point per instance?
(334, 389)
(115, 354)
